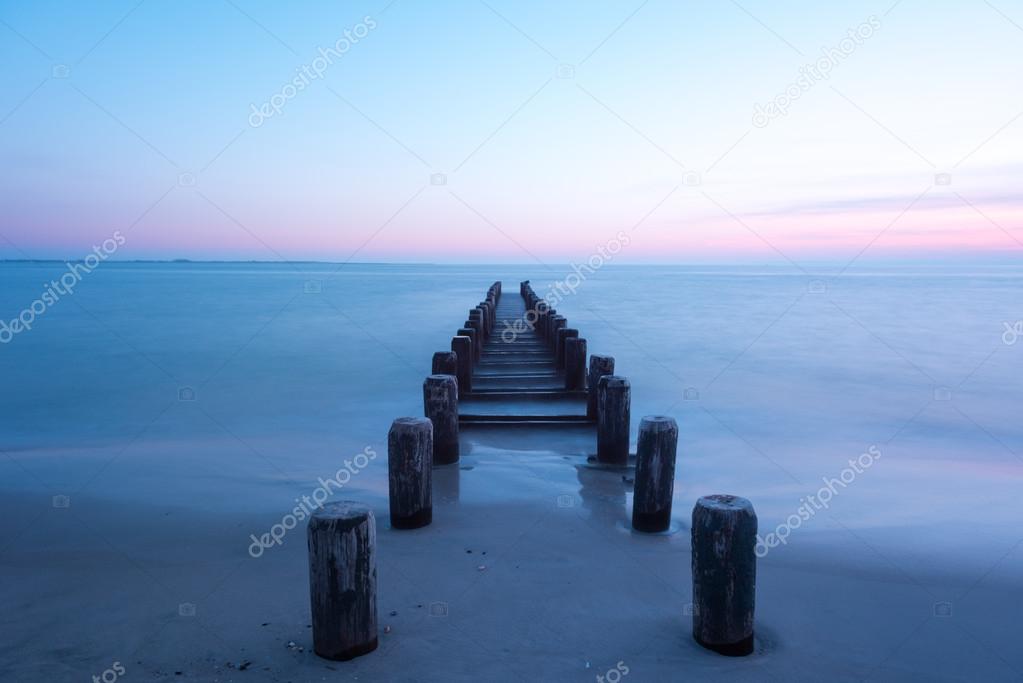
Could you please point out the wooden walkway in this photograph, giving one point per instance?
(517, 381)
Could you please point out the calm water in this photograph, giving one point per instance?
(785, 382)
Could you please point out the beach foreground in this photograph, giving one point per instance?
(132, 507)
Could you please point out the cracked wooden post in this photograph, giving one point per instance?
(600, 366)
(724, 541)
(471, 333)
(440, 405)
(614, 396)
(341, 537)
(462, 348)
(575, 363)
(564, 334)
(444, 363)
(410, 472)
(655, 473)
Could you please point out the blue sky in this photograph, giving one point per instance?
(499, 131)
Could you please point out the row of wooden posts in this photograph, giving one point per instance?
(342, 536)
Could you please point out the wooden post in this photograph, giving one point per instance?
(440, 404)
(462, 348)
(549, 323)
(445, 363)
(724, 574)
(600, 366)
(488, 315)
(614, 396)
(410, 472)
(476, 315)
(559, 351)
(471, 333)
(655, 473)
(575, 363)
(476, 324)
(558, 323)
(342, 540)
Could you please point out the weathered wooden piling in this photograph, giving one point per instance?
(343, 580)
(549, 323)
(477, 324)
(575, 363)
(440, 405)
(614, 396)
(558, 323)
(600, 366)
(655, 473)
(410, 472)
(564, 334)
(462, 348)
(444, 363)
(471, 333)
(724, 541)
(476, 315)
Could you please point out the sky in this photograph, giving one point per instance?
(498, 131)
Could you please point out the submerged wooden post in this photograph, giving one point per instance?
(614, 396)
(600, 366)
(444, 363)
(471, 333)
(655, 473)
(343, 579)
(440, 405)
(575, 363)
(724, 574)
(462, 348)
(410, 472)
(564, 334)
